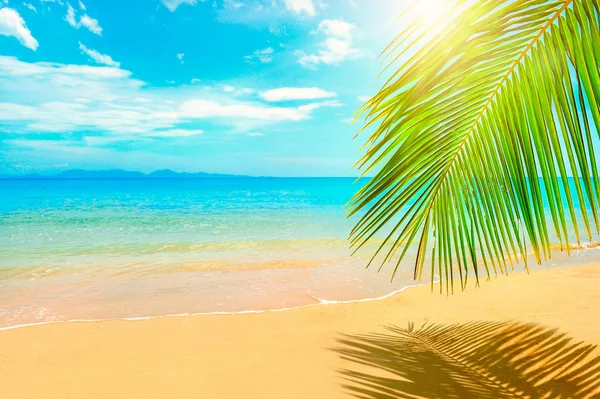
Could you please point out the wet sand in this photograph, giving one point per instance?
(320, 351)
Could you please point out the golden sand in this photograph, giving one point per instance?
(519, 336)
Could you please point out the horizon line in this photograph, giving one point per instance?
(139, 175)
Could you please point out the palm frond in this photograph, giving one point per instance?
(487, 120)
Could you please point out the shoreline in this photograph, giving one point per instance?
(291, 354)
(319, 301)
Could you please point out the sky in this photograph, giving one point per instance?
(256, 87)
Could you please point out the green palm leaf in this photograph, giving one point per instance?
(481, 124)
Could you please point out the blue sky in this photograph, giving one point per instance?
(260, 87)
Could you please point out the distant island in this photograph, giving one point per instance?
(121, 174)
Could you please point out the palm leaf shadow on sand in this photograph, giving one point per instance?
(473, 360)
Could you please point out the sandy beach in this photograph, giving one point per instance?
(550, 321)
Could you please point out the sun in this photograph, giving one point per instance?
(430, 12)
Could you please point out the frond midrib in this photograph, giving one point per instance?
(487, 104)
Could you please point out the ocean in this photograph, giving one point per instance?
(137, 248)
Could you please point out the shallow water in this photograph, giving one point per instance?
(103, 249)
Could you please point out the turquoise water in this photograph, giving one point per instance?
(101, 249)
(95, 249)
(69, 222)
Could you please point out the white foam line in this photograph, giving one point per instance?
(320, 302)
(252, 311)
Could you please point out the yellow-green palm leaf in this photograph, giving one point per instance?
(476, 129)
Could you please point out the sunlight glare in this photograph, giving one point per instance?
(430, 12)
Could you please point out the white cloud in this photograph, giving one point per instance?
(336, 28)
(100, 140)
(252, 111)
(243, 91)
(278, 30)
(363, 99)
(300, 6)
(86, 21)
(11, 24)
(313, 106)
(212, 109)
(296, 93)
(232, 4)
(82, 6)
(180, 57)
(176, 133)
(13, 68)
(173, 4)
(92, 24)
(30, 6)
(264, 56)
(337, 46)
(48, 97)
(237, 92)
(70, 17)
(63, 117)
(99, 57)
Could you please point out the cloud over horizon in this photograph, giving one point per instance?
(296, 93)
(107, 98)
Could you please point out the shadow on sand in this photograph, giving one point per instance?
(474, 360)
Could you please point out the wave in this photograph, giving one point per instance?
(583, 256)
(320, 302)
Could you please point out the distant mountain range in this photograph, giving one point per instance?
(121, 174)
